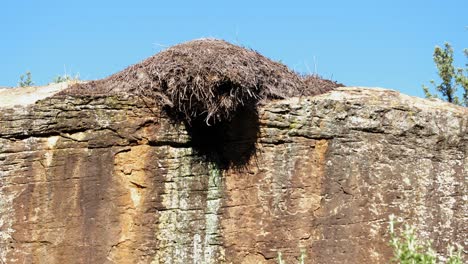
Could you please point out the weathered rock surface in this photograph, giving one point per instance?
(105, 180)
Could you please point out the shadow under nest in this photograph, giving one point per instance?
(228, 144)
(214, 88)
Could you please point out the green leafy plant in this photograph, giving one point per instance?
(66, 78)
(408, 249)
(25, 80)
(452, 78)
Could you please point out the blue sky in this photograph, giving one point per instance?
(362, 42)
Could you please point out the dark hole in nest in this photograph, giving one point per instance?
(230, 144)
(226, 88)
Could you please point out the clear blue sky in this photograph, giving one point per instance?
(362, 42)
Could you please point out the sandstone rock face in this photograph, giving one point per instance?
(106, 180)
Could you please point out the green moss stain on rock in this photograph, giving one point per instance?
(212, 251)
(188, 229)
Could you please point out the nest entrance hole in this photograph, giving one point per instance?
(230, 144)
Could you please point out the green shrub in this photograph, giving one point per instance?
(408, 249)
(452, 78)
(25, 80)
(66, 78)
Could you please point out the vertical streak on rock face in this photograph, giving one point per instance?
(270, 210)
(6, 217)
(174, 200)
(45, 199)
(130, 175)
(8, 194)
(212, 251)
(188, 222)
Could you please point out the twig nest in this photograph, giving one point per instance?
(207, 78)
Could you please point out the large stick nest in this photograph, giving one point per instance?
(207, 78)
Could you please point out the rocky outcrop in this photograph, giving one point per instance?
(96, 179)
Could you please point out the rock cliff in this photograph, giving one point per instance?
(105, 179)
